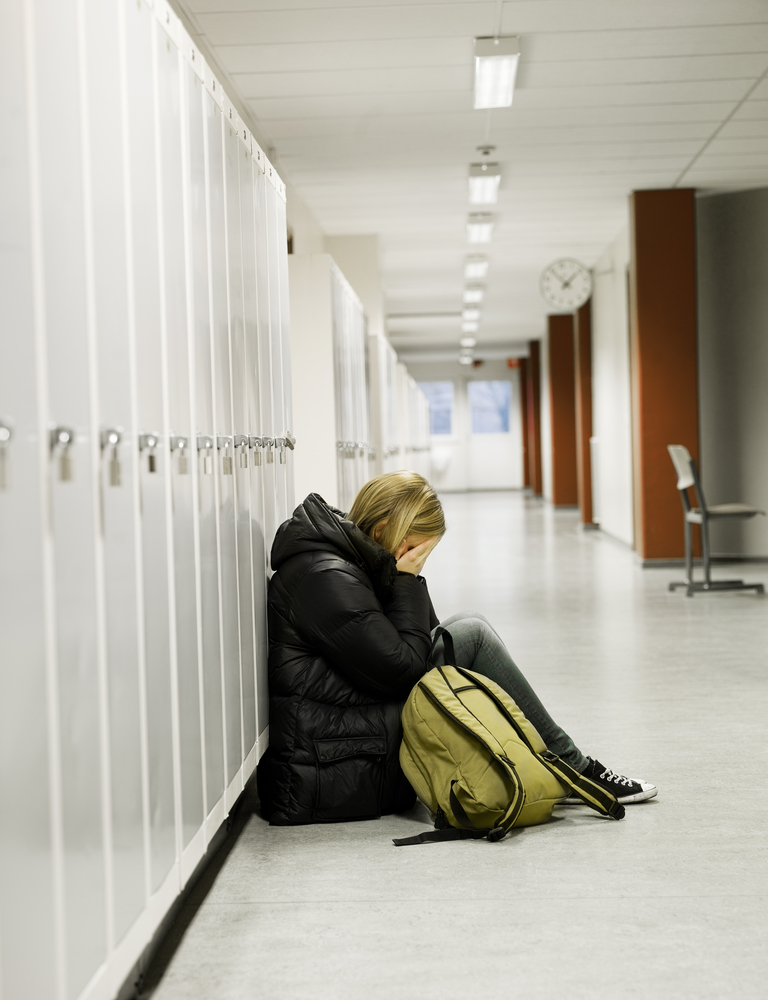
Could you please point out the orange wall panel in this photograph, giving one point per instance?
(582, 348)
(664, 363)
(562, 401)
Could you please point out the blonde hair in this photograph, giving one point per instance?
(399, 504)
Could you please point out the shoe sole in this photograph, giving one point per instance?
(625, 800)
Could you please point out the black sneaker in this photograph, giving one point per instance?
(626, 790)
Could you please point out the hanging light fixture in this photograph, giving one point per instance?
(473, 295)
(484, 181)
(480, 228)
(470, 326)
(475, 268)
(467, 342)
(496, 62)
(470, 315)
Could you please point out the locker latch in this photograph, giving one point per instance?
(241, 446)
(110, 442)
(205, 446)
(268, 444)
(62, 439)
(255, 444)
(180, 444)
(225, 441)
(6, 433)
(149, 443)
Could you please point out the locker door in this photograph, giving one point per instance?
(28, 863)
(230, 612)
(118, 494)
(265, 370)
(181, 471)
(196, 99)
(274, 250)
(258, 526)
(249, 506)
(144, 268)
(71, 479)
(285, 350)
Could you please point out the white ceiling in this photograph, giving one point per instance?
(368, 106)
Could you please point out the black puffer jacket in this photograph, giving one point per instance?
(349, 636)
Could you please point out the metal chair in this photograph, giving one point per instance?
(687, 476)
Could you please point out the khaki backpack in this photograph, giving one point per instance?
(478, 764)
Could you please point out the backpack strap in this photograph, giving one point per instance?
(588, 791)
(468, 829)
(445, 635)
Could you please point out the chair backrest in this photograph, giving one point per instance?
(681, 459)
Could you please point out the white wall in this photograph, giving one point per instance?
(611, 401)
(358, 258)
(732, 247)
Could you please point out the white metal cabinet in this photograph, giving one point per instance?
(243, 337)
(144, 271)
(196, 101)
(123, 731)
(75, 638)
(117, 507)
(225, 483)
(30, 859)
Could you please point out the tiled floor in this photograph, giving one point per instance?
(670, 903)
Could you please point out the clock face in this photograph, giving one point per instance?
(566, 285)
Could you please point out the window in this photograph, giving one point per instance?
(489, 403)
(440, 398)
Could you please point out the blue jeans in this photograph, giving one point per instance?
(478, 647)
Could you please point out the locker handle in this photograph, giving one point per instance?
(110, 441)
(6, 433)
(180, 444)
(61, 440)
(205, 444)
(150, 443)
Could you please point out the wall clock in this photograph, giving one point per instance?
(566, 285)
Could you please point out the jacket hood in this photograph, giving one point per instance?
(315, 526)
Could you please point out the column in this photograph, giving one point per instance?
(582, 351)
(523, 365)
(663, 361)
(562, 404)
(534, 418)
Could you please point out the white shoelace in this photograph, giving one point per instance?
(610, 775)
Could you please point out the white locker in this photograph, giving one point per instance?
(74, 454)
(329, 381)
(178, 433)
(203, 480)
(141, 277)
(117, 507)
(30, 850)
(145, 290)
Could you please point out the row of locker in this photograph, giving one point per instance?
(376, 414)
(146, 458)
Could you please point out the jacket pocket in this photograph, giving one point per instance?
(349, 777)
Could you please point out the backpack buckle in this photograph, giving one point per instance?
(497, 833)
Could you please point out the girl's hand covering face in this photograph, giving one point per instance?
(411, 554)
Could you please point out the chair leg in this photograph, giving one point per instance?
(688, 554)
(705, 551)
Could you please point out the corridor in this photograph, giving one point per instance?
(670, 903)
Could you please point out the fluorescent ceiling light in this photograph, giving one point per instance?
(467, 342)
(496, 62)
(480, 228)
(470, 315)
(484, 183)
(473, 294)
(470, 327)
(476, 267)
